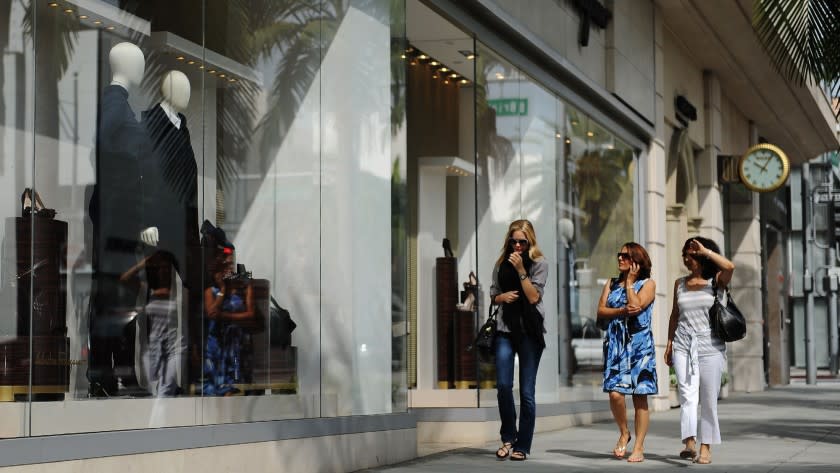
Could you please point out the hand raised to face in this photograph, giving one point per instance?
(516, 260)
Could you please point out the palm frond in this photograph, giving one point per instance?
(801, 37)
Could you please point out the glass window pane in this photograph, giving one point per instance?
(599, 172)
(18, 283)
(441, 117)
(359, 170)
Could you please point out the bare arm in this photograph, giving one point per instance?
(605, 312)
(725, 267)
(638, 302)
(672, 326)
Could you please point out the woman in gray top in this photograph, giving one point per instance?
(696, 353)
(518, 283)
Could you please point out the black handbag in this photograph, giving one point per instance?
(281, 325)
(727, 322)
(486, 336)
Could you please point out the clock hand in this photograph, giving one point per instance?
(766, 163)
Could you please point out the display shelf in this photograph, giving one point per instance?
(192, 56)
(97, 14)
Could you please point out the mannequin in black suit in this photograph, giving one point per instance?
(115, 212)
(170, 207)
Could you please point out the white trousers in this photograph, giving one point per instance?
(698, 386)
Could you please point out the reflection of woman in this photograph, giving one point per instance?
(629, 358)
(697, 355)
(518, 282)
(225, 304)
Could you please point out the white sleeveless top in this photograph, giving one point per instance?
(694, 335)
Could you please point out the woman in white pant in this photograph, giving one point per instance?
(697, 355)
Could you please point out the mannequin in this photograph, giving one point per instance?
(115, 212)
(175, 89)
(170, 207)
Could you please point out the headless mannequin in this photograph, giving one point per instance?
(116, 213)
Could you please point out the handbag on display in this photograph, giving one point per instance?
(726, 321)
(281, 325)
(486, 335)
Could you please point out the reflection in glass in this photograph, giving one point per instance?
(276, 128)
(599, 174)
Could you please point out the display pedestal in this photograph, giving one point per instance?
(39, 246)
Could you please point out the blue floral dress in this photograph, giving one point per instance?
(629, 357)
(223, 350)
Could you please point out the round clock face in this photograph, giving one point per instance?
(764, 168)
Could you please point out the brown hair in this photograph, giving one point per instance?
(638, 255)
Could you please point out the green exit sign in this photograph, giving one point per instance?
(509, 107)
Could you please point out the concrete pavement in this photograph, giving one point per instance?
(795, 428)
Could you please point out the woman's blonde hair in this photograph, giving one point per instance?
(527, 228)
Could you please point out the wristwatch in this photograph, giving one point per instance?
(522, 277)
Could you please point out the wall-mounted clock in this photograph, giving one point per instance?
(764, 168)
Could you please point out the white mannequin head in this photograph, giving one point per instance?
(175, 88)
(127, 64)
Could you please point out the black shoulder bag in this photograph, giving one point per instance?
(727, 322)
(486, 336)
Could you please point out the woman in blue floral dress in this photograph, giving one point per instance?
(629, 360)
(225, 304)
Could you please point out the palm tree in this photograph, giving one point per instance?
(802, 38)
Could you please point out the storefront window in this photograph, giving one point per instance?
(224, 193)
(595, 218)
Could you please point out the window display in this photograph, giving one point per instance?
(147, 123)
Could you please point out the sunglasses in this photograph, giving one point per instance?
(514, 241)
(622, 255)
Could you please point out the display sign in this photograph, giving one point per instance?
(509, 107)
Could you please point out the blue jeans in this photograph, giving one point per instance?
(529, 353)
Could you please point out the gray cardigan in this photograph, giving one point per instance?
(538, 277)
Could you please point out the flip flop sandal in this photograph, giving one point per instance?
(619, 449)
(505, 450)
(688, 454)
(518, 456)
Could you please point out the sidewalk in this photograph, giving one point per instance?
(794, 428)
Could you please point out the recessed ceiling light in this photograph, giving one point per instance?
(97, 22)
(53, 4)
(110, 28)
(422, 57)
(443, 69)
(83, 17)
(180, 58)
(434, 63)
(590, 133)
(500, 76)
(190, 62)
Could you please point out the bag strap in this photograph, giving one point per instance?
(491, 313)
